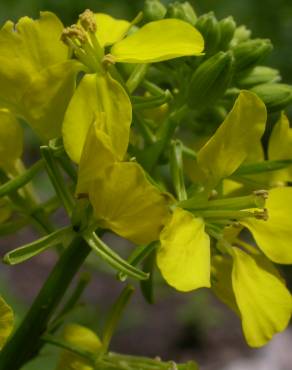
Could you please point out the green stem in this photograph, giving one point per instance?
(21, 180)
(114, 317)
(57, 180)
(26, 341)
(177, 173)
(136, 77)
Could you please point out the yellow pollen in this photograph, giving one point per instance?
(87, 20)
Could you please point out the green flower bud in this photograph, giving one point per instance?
(182, 11)
(249, 53)
(258, 75)
(275, 96)
(241, 34)
(208, 25)
(227, 29)
(210, 80)
(154, 10)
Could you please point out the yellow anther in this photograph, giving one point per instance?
(262, 193)
(87, 21)
(108, 60)
(72, 33)
(262, 215)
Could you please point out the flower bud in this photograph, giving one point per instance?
(153, 10)
(210, 80)
(249, 53)
(227, 28)
(182, 11)
(258, 75)
(241, 34)
(275, 96)
(208, 25)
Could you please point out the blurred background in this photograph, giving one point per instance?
(178, 326)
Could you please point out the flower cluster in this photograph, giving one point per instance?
(164, 120)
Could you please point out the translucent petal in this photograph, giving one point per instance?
(98, 95)
(274, 235)
(222, 283)
(158, 41)
(11, 139)
(44, 112)
(241, 130)
(26, 49)
(263, 300)
(184, 255)
(97, 156)
(82, 338)
(6, 321)
(280, 147)
(109, 29)
(125, 202)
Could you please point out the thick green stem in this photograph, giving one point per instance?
(26, 341)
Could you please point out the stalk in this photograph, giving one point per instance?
(26, 341)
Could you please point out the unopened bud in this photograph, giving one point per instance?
(241, 34)
(262, 214)
(275, 96)
(154, 10)
(249, 53)
(210, 80)
(72, 33)
(227, 28)
(183, 11)
(87, 21)
(258, 75)
(208, 25)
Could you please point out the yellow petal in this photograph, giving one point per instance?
(274, 235)
(11, 139)
(98, 95)
(26, 49)
(125, 202)
(184, 255)
(158, 41)
(222, 283)
(264, 302)
(241, 130)
(82, 338)
(280, 147)
(97, 156)
(6, 321)
(109, 29)
(44, 112)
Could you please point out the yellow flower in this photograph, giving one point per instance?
(154, 42)
(37, 80)
(252, 287)
(274, 235)
(184, 255)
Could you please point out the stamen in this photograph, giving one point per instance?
(108, 60)
(74, 33)
(87, 21)
(262, 193)
(262, 215)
